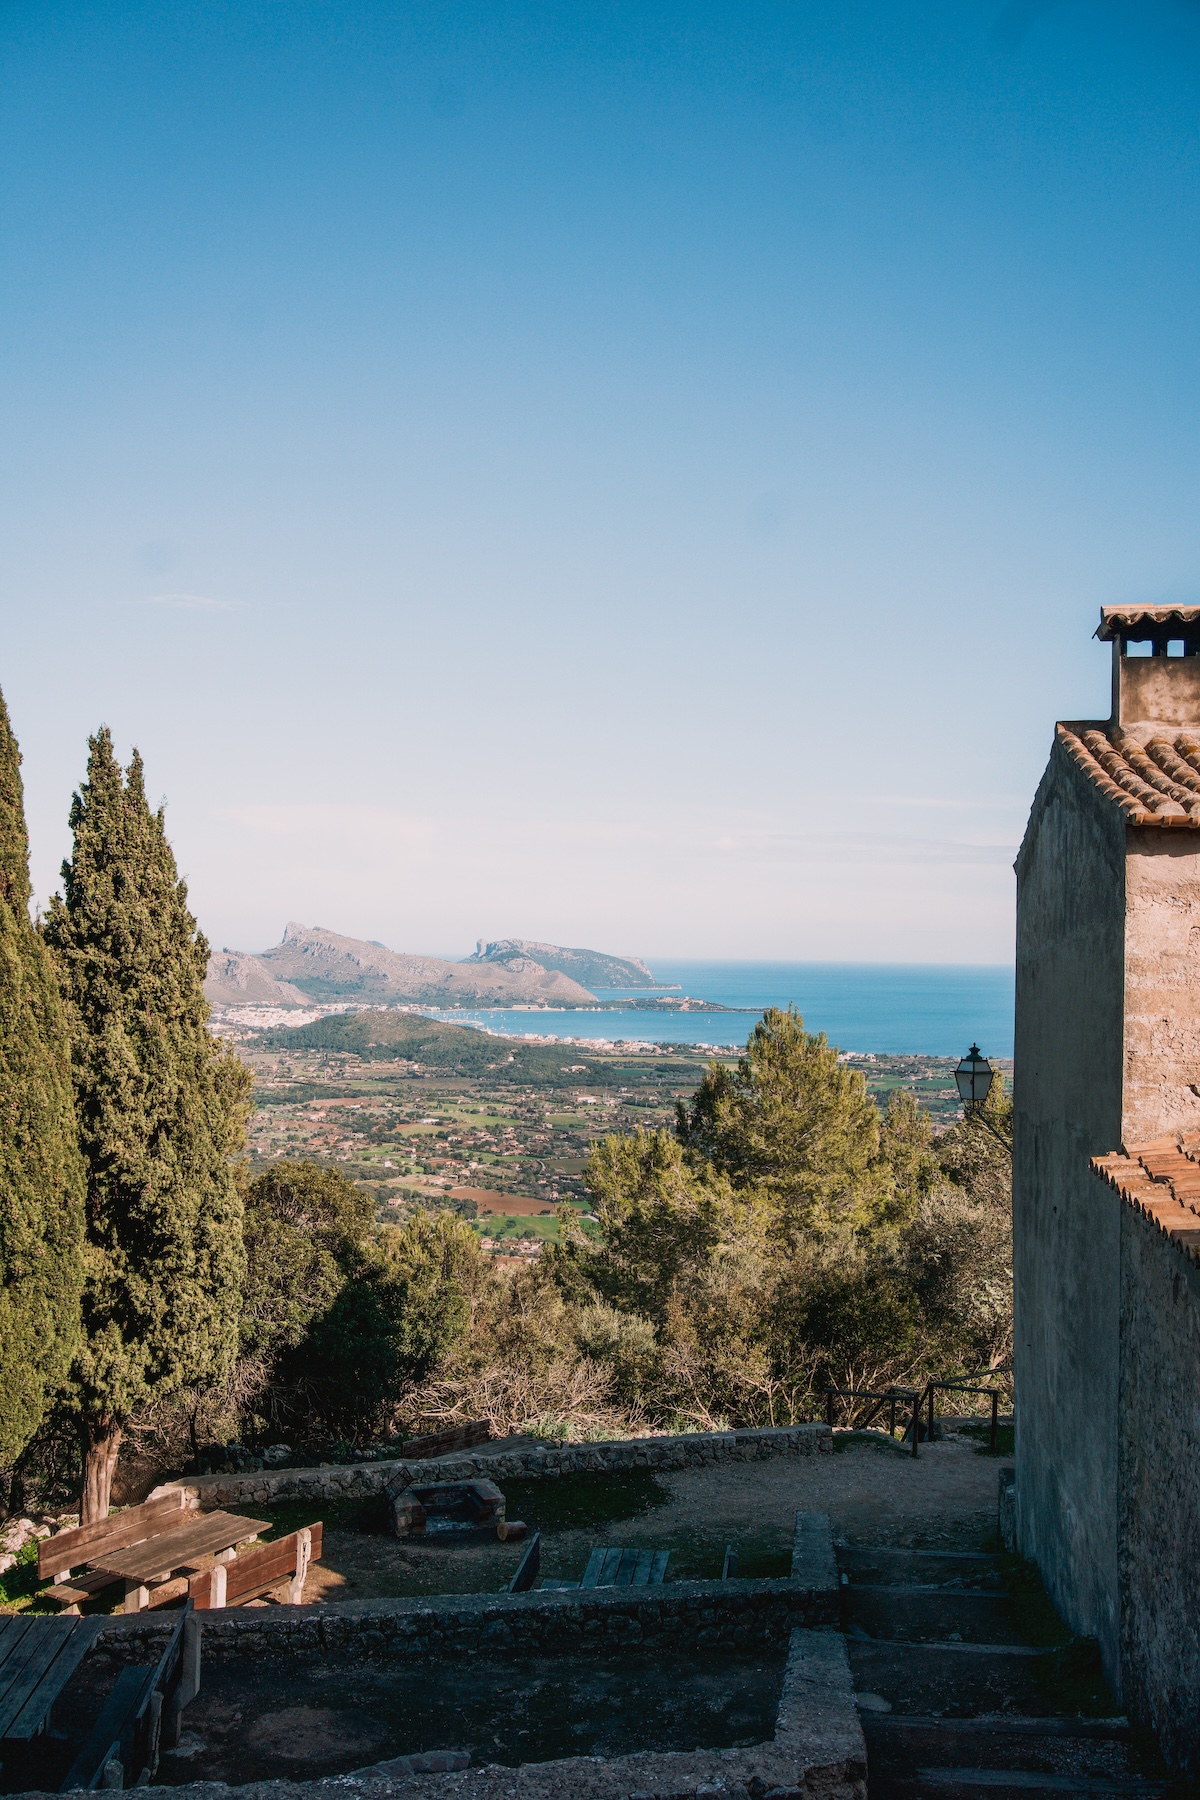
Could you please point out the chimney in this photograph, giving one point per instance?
(1156, 666)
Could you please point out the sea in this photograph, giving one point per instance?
(884, 1009)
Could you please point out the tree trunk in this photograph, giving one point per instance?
(101, 1442)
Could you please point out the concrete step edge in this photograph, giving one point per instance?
(964, 1781)
(1113, 1731)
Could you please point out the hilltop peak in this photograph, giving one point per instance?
(592, 968)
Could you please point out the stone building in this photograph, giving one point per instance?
(1106, 1174)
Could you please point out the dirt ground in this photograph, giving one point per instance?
(873, 1491)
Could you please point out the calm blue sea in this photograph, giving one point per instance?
(893, 1009)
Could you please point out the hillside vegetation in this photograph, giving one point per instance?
(400, 1036)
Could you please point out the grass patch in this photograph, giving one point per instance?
(1071, 1674)
(577, 1502)
(19, 1585)
(1074, 1679)
(1034, 1612)
(1005, 1437)
(369, 1515)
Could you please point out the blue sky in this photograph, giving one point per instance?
(641, 475)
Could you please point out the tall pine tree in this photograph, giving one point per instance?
(41, 1174)
(161, 1108)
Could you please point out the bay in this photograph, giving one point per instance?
(889, 1009)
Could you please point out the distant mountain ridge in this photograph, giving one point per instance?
(592, 968)
(312, 963)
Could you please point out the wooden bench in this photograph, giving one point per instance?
(256, 1571)
(141, 1715)
(86, 1544)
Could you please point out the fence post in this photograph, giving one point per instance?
(995, 1417)
(932, 1395)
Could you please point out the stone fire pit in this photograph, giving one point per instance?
(446, 1508)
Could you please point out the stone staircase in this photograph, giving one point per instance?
(955, 1703)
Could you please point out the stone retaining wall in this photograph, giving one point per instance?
(816, 1753)
(711, 1614)
(707, 1613)
(693, 1450)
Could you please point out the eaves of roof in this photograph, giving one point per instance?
(1161, 1180)
(1157, 783)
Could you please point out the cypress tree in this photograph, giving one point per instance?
(161, 1107)
(41, 1174)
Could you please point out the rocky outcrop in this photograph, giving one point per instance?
(313, 964)
(235, 979)
(591, 967)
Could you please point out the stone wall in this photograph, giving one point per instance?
(1067, 1094)
(1160, 1486)
(816, 1753)
(708, 1613)
(693, 1450)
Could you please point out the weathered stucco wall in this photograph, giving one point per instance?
(1068, 1107)
(1160, 1485)
(1162, 983)
(1156, 690)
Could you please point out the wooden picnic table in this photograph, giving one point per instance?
(38, 1656)
(183, 1550)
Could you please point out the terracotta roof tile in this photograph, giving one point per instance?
(1157, 783)
(1162, 1180)
(1115, 619)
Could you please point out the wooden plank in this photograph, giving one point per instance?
(608, 1571)
(28, 1646)
(641, 1573)
(591, 1575)
(659, 1566)
(527, 1568)
(626, 1564)
(207, 1590)
(80, 1587)
(263, 1567)
(729, 1567)
(15, 1633)
(160, 1556)
(41, 1647)
(83, 1542)
(104, 1739)
(33, 1714)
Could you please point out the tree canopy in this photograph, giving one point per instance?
(41, 1172)
(161, 1108)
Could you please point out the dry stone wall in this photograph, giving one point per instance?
(817, 1751)
(692, 1450)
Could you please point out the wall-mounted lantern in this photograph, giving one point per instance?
(973, 1078)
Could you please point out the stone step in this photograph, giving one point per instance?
(1006, 1784)
(964, 1679)
(884, 1565)
(1100, 1748)
(929, 1614)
